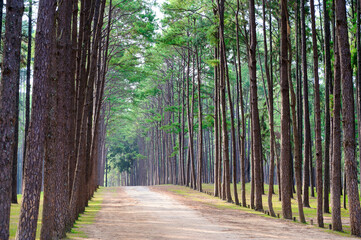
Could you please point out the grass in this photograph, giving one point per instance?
(310, 213)
(88, 217)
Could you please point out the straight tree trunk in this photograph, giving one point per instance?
(297, 144)
(216, 128)
(336, 152)
(223, 69)
(328, 75)
(233, 138)
(358, 24)
(1, 18)
(189, 121)
(257, 143)
(28, 72)
(317, 106)
(14, 197)
(270, 114)
(298, 160)
(200, 133)
(193, 170)
(285, 119)
(9, 91)
(348, 118)
(180, 134)
(240, 102)
(307, 128)
(55, 209)
(36, 135)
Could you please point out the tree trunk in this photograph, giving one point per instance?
(307, 128)
(14, 197)
(241, 104)
(216, 128)
(223, 73)
(336, 152)
(358, 24)
(1, 18)
(285, 119)
(270, 114)
(28, 72)
(233, 138)
(36, 135)
(328, 75)
(317, 106)
(200, 134)
(8, 108)
(348, 118)
(256, 130)
(297, 144)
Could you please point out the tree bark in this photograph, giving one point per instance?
(216, 128)
(336, 152)
(9, 91)
(307, 128)
(285, 119)
(270, 114)
(317, 106)
(328, 75)
(28, 72)
(348, 117)
(240, 102)
(223, 69)
(200, 133)
(257, 143)
(36, 134)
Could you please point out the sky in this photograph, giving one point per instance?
(156, 9)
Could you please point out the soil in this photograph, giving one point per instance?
(154, 213)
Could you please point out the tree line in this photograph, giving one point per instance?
(64, 149)
(247, 91)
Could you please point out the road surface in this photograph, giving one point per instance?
(141, 213)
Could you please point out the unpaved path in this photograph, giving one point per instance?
(141, 213)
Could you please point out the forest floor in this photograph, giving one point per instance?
(175, 212)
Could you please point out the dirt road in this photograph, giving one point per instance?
(141, 213)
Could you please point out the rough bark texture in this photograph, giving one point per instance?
(317, 106)
(359, 74)
(307, 128)
(233, 139)
(200, 130)
(36, 135)
(348, 118)
(257, 143)
(14, 175)
(285, 119)
(222, 55)
(9, 89)
(336, 146)
(297, 144)
(270, 114)
(328, 75)
(56, 157)
(28, 72)
(240, 102)
(1, 17)
(216, 127)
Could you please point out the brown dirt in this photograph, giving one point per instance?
(154, 213)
